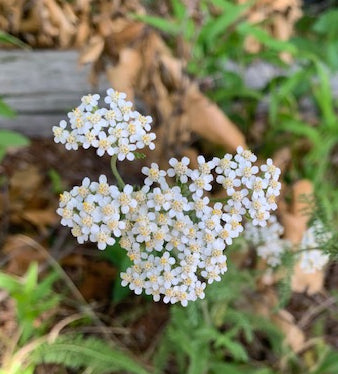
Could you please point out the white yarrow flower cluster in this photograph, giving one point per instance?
(175, 235)
(270, 246)
(116, 130)
(313, 259)
(93, 211)
(267, 240)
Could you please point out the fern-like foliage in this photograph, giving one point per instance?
(33, 298)
(207, 336)
(284, 285)
(78, 352)
(327, 233)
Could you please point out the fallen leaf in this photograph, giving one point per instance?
(295, 224)
(295, 219)
(83, 32)
(58, 18)
(265, 305)
(282, 159)
(92, 51)
(21, 253)
(301, 192)
(124, 75)
(310, 283)
(294, 336)
(97, 281)
(128, 32)
(41, 218)
(207, 120)
(171, 72)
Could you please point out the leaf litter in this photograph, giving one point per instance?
(136, 60)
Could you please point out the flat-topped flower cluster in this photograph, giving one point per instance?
(267, 240)
(117, 130)
(313, 259)
(271, 246)
(174, 235)
(173, 232)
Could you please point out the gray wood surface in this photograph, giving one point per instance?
(42, 86)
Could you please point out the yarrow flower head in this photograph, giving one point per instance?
(118, 130)
(313, 259)
(175, 236)
(267, 240)
(271, 246)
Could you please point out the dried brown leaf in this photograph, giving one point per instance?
(207, 120)
(295, 224)
(92, 51)
(295, 220)
(25, 191)
(130, 32)
(265, 305)
(294, 336)
(192, 154)
(171, 72)
(311, 283)
(66, 29)
(41, 218)
(21, 254)
(83, 32)
(124, 75)
(97, 280)
(301, 190)
(282, 29)
(294, 227)
(282, 159)
(31, 23)
(105, 26)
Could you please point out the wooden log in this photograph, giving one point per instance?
(42, 86)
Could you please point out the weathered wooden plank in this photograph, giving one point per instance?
(42, 86)
(43, 72)
(37, 125)
(47, 103)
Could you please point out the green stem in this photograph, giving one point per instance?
(308, 249)
(205, 312)
(119, 180)
(219, 200)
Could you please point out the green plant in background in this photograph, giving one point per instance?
(219, 39)
(327, 360)
(32, 299)
(56, 181)
(195, 342)
(221, 333)
(9, 39)
(118, 256)
(180, 24)
(94, 355)
(216, 45)
(317, 35)
(9, 139)
(212, 335)
(314, 159)
(35, 344)
(5, 110)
